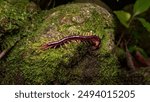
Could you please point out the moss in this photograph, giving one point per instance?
(74, 63)
(17, 19)
(12, 14)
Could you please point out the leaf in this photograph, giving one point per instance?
(123, 17)
(141, 6)
(145, 23)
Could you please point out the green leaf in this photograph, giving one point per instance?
(145, 23)
(123, 17)
(141, 6)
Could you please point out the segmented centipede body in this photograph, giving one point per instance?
(94, 40)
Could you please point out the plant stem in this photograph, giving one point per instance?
(122, 35)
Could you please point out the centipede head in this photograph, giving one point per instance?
(95, 41)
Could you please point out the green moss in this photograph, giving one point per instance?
(74, 63)
(12, 12)
(17, 19)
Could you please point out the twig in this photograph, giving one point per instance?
(3, 53)
(122, 35)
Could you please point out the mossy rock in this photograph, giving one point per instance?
(74, 63)
(15, 13)
(17, 18)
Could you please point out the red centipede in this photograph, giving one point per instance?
(94, 40)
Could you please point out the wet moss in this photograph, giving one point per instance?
(74, 63)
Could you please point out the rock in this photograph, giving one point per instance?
(74, 63)
(98, 2)
(17, 18)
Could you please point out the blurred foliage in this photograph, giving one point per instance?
(136, 26)
(134, 32)
(145, 23)
(123, 17)
(139, 7)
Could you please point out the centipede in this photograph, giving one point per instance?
(94, 41)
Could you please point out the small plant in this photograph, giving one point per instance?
(126, 19)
